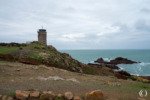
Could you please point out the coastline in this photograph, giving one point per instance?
(139, 55)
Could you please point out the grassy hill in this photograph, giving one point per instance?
(36, 54)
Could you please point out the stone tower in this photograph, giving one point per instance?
(42, 36)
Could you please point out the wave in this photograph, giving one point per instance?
(107, 59)
(144, 64)
(138, 69)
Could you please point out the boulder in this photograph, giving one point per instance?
(22, 95)
(47, 95)
(95, 95)
(60, 97)
(77, 98)
(34, 94)
(68, 95)
(5, 97)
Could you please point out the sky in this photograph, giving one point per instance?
(78, 24)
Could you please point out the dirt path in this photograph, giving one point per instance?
(15, 76)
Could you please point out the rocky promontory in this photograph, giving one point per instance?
(116, 61)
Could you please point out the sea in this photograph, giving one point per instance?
(139, 69)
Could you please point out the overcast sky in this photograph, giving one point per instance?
(78, 24)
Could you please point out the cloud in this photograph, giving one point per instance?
(142, 25)
(78, 24)
(145, 10)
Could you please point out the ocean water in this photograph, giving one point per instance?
(143, 56)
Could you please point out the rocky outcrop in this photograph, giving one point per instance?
(122, 74)
(116, 61)
(121, 60)
(101, 60)
(111, 66)
(113, 63)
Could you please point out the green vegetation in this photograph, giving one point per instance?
(7, 50)
(89, 70)
(140, 85)
(12, 94)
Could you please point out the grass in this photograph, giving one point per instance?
(36, 56)
(7, 50)
(140, 85)
(12, 94)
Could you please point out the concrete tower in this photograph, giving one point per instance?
(42, 36)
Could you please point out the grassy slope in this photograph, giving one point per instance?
(40, 54)
(6, 50)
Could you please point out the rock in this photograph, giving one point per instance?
(10, 98)
(34, 94)
(121, 60)
(118, 60)
(120, 76)
(47, 95)
(60, 97)
(100, 60)
(18, 70)
(112, 66)
(124, 73)
(22, 95)
(68, 95)
(76, 98)
(95, 95)
(5, 97)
